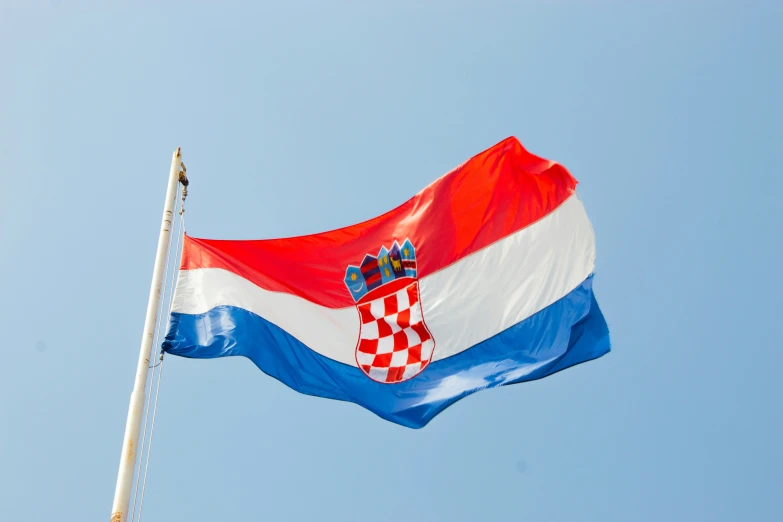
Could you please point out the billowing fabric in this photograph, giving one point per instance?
(482, 279)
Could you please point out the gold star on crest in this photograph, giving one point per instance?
(353, 277)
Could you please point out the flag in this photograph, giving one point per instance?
(482, 279)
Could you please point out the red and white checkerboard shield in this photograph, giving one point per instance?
(394, 343)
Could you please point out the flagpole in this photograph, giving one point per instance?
(119, 511)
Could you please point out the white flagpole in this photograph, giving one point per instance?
(119, 510)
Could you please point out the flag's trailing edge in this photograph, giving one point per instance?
(482, 279)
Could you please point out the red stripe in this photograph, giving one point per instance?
(373, 278)
(492, 195)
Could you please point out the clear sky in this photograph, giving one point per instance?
(292, 118)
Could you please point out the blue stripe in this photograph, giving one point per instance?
(568, 332)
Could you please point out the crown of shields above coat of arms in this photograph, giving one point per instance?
(394, 343)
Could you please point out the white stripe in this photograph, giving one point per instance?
(508, 281)
(464, 303)
(330, 332)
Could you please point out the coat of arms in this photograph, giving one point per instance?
(394, 343)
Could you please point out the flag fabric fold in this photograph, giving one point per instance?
(482, 279)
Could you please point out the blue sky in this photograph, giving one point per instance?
(669, 114)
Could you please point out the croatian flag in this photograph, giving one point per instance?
(482, 279)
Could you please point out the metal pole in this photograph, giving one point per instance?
(119, 510)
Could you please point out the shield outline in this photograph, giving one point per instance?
(379, 293)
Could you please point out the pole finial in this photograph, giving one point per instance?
(183, 179)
